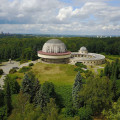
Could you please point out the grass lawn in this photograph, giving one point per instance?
(61, 75)
(0, 76)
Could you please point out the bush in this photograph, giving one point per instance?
(70, 112)
(1, 72)
(79, 69)
(78, 64)
(23, 61)
(18, 59)
(12, 71)
(24, 69)
(85, 113)
(31, 64)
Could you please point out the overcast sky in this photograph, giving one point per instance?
(76, 17)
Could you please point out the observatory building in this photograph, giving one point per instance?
(55, 51)
(87, 58)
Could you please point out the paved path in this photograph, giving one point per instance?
(6, 66)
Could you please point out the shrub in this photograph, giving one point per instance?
(31, 64)
(23, 61)
(78, 64)
(1, 72)
(70, 111)
(18, 59)
(24, 69)
(79, 69)
(85, 113)
(12, 71)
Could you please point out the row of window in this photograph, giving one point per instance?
(95, 62)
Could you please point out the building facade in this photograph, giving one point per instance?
(55, 51)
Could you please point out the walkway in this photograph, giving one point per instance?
(6, 66)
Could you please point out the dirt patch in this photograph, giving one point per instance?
(47, 68)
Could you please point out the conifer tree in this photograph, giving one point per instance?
(107, 70)
(44, 94)
(114, 87)
(30, 85)
(76, 88)
(7, 99)
(26, 84)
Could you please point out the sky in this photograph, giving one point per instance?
(73, 17)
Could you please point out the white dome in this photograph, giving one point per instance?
(54, 46)
(83, 50)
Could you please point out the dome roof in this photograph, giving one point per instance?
(83, 49)
(54, 46)
(55, 41)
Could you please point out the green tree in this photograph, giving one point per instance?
(1, 71)
(13, 84)
(85, 113)
(97, 93)
(7, 99)
(114, 112)
(22, 107)
(44, 94)
(107, 70)
(51, 110)
(1, 98)
(114, 88)
(30, 85)
(3, 113)
(76, 88)
(2, 106)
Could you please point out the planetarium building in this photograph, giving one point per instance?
(54, 51)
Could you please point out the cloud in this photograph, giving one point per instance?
(65, 13)
(56, 16)
(72, 28)
(32, 11)
(98, 10)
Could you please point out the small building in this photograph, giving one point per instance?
(83, 50)
(87, 58)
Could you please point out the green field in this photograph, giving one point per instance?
(61, 75)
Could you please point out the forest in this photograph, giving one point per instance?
(90, 95)
(25, 47)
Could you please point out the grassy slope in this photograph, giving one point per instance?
(61, 75)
